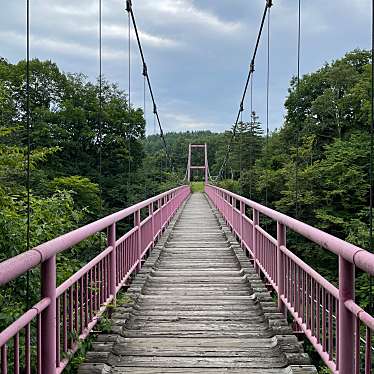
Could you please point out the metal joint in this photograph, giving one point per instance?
(128, 5)
(252, 67)
(269, 3)
(154, 109)
(145, 70)
(241, 107)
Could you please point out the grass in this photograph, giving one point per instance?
(104, 326)
(197, 187)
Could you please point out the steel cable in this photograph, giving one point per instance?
(298, 125)
(146, 74)
(28, 164)
(268, 5)
(129, 108)
(100, 112)
(267, 108)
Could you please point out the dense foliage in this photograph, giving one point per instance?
(83, 165)
(324, 181)
(314, 167)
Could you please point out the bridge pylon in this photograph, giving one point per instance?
(201, 167)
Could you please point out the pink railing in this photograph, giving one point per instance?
(50, 332)
(339, 330)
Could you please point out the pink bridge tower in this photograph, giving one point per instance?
(204, 167)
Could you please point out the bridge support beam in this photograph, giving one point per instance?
(189, 164)
(346, 318)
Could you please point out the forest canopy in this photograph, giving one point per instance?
(314, 166)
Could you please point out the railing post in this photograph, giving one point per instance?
(159, 209)
(242, 212)
(346, 319)
(166, 202)
(169, 197)
(256, 221)
(281, 240)
(139, 234)
(152, 223)
(113, 258)
(48, 317)
(161, 220)
(232, 214)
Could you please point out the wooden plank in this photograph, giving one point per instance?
(198, 311)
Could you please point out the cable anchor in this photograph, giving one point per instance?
(269, 3)
(128, 5)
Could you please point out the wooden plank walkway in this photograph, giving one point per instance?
(198, 307)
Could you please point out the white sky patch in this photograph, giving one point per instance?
(51, 45)
(157, 41)
(120, 33)
(84, 10)
(186, 12)
(183, 122)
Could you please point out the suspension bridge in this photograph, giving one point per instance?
(200, 272)
(209, 287)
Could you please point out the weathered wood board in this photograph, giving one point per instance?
(198, 307)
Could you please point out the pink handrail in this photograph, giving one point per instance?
(67, 313)
(329, 317)
(28, 260)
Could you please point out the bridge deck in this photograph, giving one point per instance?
(198, 307)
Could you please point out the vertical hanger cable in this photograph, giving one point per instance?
(28, 163)
(298, 125)
(267, 104)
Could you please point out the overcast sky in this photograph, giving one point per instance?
(197, 51)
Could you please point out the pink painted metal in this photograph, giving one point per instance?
(48, 316)
(67, 313)
(202, 167)
(281, 241)
(328, 316)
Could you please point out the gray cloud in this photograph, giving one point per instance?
(197, 51)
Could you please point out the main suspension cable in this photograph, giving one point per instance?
(146, 74)
(268, 5)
